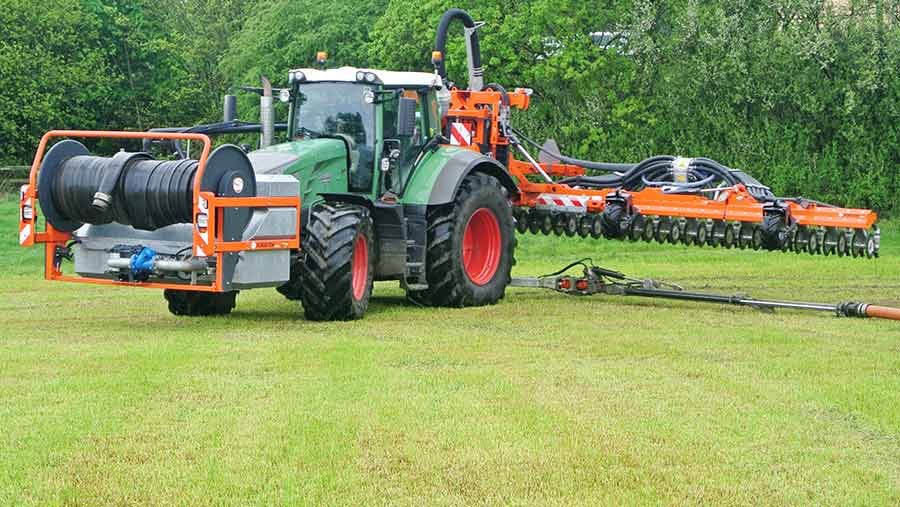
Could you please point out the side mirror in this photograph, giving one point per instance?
(390, 154)
(406, 117)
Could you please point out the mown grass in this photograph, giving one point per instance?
(542, 399)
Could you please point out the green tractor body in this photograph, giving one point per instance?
(367, 150)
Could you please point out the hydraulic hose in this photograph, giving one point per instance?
(504, 96)
(474, 49)
(587, 164)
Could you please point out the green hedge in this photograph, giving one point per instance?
(797, 93)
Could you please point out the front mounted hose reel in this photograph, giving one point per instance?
(76, 188)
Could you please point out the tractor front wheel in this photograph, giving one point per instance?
(193, 303)
(339, 262)
(471, 243)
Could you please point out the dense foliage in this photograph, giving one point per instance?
(801, 93)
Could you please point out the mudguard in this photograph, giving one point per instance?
(460, 165)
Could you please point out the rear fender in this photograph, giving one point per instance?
(442, 173)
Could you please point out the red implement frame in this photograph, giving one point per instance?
(478, 112)
(205, 244)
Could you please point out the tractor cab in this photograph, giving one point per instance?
(384, 120)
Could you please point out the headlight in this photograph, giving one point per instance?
(371, 77)
(296, 76)
(360, 76)
(202, 222)
(284, 95)
(27, 213)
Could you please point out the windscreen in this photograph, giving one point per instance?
(329, 109)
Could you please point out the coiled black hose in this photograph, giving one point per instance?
(149, 194)
(77, 188)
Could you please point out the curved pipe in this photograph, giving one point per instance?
(504, 96)
(587, 164)
(476, 73)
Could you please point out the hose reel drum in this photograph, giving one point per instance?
(132, 188)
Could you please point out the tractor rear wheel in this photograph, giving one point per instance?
(293, 288)
(471, 243)
(338, 262)
(195, 304)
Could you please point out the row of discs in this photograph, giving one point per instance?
(715, 233)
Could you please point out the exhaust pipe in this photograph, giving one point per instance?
(266, 114)
(229, 109)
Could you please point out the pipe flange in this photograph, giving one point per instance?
(53, 161)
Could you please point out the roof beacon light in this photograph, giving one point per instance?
(321, 57)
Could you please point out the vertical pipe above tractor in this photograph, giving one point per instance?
(473, 49)
(266, 114)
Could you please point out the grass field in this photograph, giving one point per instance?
(107, 399)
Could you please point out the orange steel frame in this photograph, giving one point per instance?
(204, 202)
(479, 112)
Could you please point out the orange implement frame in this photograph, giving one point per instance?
(207, 240)
(479, 113)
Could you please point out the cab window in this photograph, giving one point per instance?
(409, 146)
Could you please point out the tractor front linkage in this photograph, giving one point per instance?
(595, 280)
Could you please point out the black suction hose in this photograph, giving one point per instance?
(440, 43)
(587, 164)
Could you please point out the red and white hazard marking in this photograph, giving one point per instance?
(26, 217)
(460, 135)
(560, 202)
(24, 234)
(201, 248)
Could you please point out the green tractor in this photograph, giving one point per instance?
(382, 196)
(385, 199)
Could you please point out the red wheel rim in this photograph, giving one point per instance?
(360, 267)
(481, 246)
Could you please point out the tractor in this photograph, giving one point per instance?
(389, 175)
(364, 188)
(384, 199)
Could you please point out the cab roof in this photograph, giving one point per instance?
(386, 77)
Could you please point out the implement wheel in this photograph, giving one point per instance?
(195, 304)
(774, 232)
(611, 221)
(339, 262)
(470, 247)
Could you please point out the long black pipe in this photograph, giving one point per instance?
(440, 43)
(846, 309)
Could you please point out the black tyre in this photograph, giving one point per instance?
(338, 262)
(597, 226)
(522, 221)
(571, 224)
(195, 304)
(728, 240)
(611, 221)
(559, 224)
(702, 234)
(470, 247)
(775, 234)
(293, 288)
(535, 220)
(585, 225)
